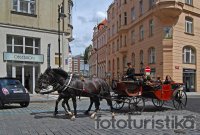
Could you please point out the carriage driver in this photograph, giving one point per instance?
(130, 73)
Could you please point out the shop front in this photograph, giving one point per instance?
(189, 79)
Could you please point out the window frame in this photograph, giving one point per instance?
(189, 25)
(192, 55)
(19, 6)
(152, 55)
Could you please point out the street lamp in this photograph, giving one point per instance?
(61, 15)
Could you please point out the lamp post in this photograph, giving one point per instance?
(61, 15)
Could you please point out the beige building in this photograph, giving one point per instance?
(161, 34)
(29, 37)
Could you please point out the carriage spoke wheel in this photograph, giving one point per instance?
(136, 104)
(157, 103)
(179, 99)
(117, 102)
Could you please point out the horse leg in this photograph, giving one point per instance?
(97, 104)
(65, 101)
(109, 101)
(90, 106)
(56, 106)
(75, 105)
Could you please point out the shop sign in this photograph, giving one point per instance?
(23, 57)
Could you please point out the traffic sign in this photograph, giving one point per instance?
(147, 70)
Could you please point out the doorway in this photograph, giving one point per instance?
(189, 79)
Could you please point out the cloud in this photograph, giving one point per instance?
(98, 17)
(82, 19)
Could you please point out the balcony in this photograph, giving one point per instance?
(168, 9)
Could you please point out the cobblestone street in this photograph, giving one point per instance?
(37, 119)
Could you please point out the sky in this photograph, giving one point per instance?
(86, 14)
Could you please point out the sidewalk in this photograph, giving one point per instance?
(42, 98)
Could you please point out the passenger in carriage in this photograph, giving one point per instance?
(158, 81)
(130, 73)
(168, 80)
(147, 83)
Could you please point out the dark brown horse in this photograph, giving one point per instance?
(67, 88)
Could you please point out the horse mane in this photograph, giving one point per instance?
(61, 72)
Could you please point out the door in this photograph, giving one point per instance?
(189, 79)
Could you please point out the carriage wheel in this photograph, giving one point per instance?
(179, 99)
(117, 102)
(157, 103)
(136, 104)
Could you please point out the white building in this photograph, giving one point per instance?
(29, 38)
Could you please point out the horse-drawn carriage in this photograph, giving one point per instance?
(135, 94)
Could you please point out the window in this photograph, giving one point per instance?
(117, 63)
(133, 36)
(125, 18)
(125, 40)
(189, 2)
(189, 55)
(19, 44)
(152, 55)
(113, 47)
(141, 7)
(167, 32)
(25, 6)
(70, 5)
(133, 59)
(189, 25)
(120, 22)
(141, 32)
(125, 1)
(151, 27)
(133, 14)
(141, 56)
(151, 3)
(120, 41)
(117, 44)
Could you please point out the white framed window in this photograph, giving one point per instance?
(24, 6)
(190, 2)
(151, 27)
(189, 55)
(152, 55)
(141, 32)
(133, 14)
(188, 25)
(133, 36)
(20, 44)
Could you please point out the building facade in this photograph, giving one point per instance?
(161, 34)
(29, 37)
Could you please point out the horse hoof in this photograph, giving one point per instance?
(86, 112)
(55, 113)
(113, 115)
(93, 115)
(73, 118)
(70, 113)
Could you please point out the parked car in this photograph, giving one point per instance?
(12, 91)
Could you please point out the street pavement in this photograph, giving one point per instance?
(37, 118)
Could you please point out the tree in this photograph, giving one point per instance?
(86, 57)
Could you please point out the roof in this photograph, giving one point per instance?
(102, 24)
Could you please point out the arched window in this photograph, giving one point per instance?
(152, 55)
(189, 55)
(141, 56)
(133, 59)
